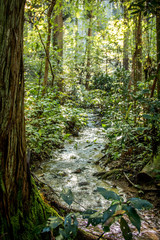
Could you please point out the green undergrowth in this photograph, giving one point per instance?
(28, 225)
(50, 120)
(133, 131)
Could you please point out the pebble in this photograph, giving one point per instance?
(78, 170)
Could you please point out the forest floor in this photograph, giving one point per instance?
(150, 229)
(150, 219)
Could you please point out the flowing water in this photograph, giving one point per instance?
(73, 166)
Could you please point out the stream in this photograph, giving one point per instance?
(73, 166)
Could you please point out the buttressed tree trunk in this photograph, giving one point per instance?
(14, 175)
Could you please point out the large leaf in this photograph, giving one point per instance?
(70, 225)
(109, 195)
(95, 218)
(133, 216)
(127, 234)
(67, 196)
(88, 213)
(109, 212)
(54, 222)
(140, 203)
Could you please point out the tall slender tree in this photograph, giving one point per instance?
(126, 38)
(49, 14)
(158, 49)
(58, 39)
(88, 43)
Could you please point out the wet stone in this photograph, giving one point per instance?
(78, 170)
(62, 174)
(81, 184)
(84, 188)
(73, 157)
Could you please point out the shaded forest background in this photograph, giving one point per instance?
(102, 54)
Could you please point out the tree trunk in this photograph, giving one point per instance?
(158, 49)
(125, 42)
(76, 41)
(50, 10)
(21, 207)
(88, 50)
(139, 49)
(14, 172)
(58, 41)
(137, 58)
(59, 33)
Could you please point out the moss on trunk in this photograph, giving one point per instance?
(27, 224)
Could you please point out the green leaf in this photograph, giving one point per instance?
(127, 113)
(95, 218)
(2, 185)
(67, 196)
(46, 229)
(109, 212)
(133, 216)
(147, 116)
(127, 234)
(60, 237)
(106, 229)
(71, 225)
(109, 195)
(140, 203)
(88, 213)
(135, 12)
(54, 222)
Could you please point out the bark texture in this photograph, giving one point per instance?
(88, 50)
(49, 14)
(126, 40)
(139, 48)
(158, 49)
(58, 41)
(137, 56)
(14, 174)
